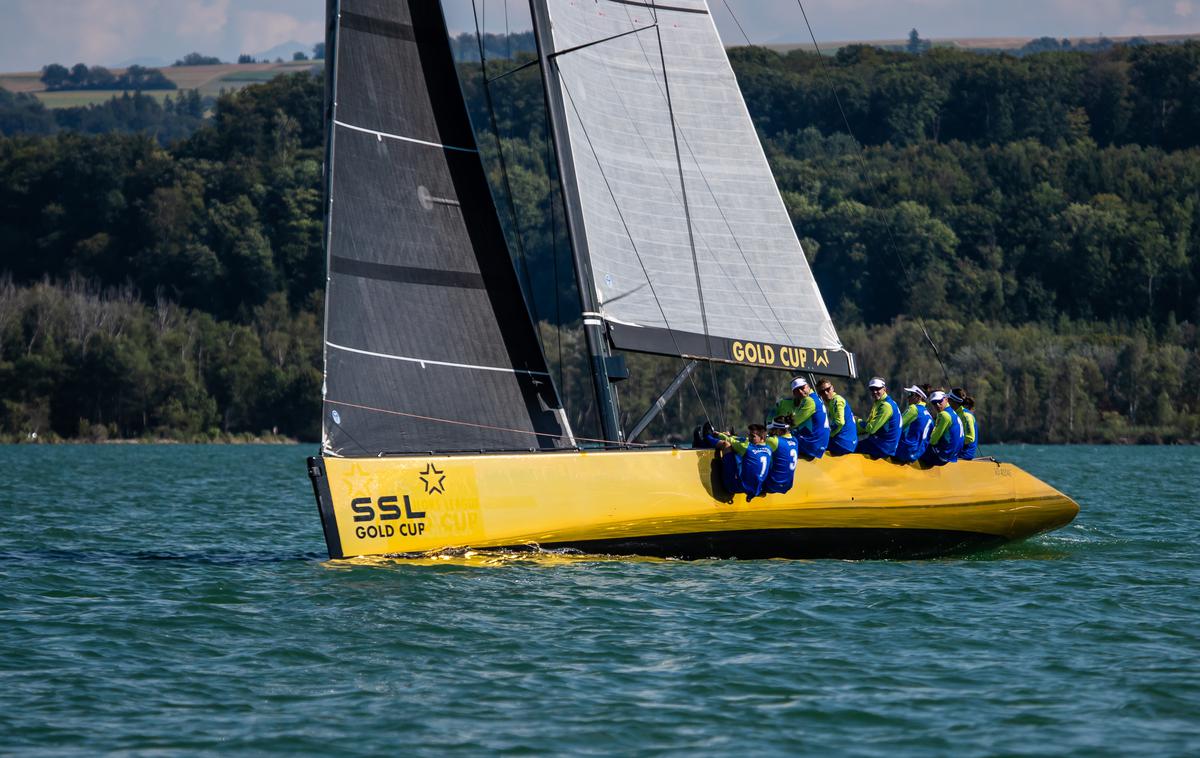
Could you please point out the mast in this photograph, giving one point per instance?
(593, 326)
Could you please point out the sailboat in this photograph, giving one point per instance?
(442, 426)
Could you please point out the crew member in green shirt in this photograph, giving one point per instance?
(880, 433)
(800, 406)
(964, 406)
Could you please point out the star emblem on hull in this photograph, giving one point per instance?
(433, 479)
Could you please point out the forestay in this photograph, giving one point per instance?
(429, 345)
(630, 129)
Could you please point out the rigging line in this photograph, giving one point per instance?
(340, 428)
(610, 38)
(512, 71)
(687, 214)
(737, 23)
(716, 204)
(863, 160)
(512, 205)
(475, 425)
(620, 215)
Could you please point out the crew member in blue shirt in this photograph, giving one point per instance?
(843, 431)
(945, 443)
(811, 421)
(879, 434)
(964, 405)
(744, 461)
(783, 456)
(915, 427)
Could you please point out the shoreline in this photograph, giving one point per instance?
(231, 440)
(281, 441)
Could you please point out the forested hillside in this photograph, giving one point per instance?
(1046, 208)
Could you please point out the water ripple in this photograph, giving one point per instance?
(176, 614)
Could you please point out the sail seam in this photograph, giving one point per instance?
(660, 7)
(406, 274)
(360, 22)
(402, 138)
(425, 361)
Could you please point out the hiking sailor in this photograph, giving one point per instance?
(945, 443)
(915, 426)
(783, 456)
(843, 432)
(880, 433)
(811, 422)
(964, 405)
(744, 461)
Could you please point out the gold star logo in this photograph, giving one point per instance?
(434, 480)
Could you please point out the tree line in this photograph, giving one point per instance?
(57, 77)
(1056, 264)
(168, 120)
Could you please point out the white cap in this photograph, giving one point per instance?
(876, 383)
(937, 397)
(777, 425)
(916, 391)
(799, 382)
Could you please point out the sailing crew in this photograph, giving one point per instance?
(915, 427)
(745, 461)
(880, 433)
(783, 455)
(843, 432)
(964, 406)
(945, 443)
(811, 422)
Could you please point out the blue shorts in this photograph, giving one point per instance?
(871, 446)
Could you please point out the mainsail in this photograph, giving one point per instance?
(689, 246)
(429, 345)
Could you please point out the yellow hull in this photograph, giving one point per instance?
(670, 503)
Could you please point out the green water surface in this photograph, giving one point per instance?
(175, 599)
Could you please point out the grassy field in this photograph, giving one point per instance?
(209, 80)
(76, 98)
(974, 43)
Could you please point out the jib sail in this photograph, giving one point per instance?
(428, 342)
(690, 248)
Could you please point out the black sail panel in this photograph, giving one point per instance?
(429, 345)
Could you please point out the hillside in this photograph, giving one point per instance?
(1046, 207)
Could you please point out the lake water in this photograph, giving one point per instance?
(165, 599)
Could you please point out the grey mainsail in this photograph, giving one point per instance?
(705, 265)
(429, 345)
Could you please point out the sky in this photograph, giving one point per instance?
(107, 32)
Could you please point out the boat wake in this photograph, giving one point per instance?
(530, 555)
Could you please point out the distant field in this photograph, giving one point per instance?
(209, 80)
(973, 43)
(74, 99)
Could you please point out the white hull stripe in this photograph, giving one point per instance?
(424, 362)
(381, 135)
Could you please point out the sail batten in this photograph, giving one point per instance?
(686, 231)
(402, 138)
(429, 345)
